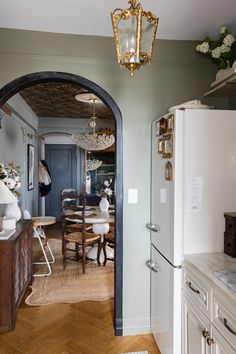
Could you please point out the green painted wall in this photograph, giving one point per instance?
(177, 74)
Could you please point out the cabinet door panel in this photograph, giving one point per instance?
(220, 346)
(23, 264)
(194, 326)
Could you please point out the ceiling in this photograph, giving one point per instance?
(57, 100)
(179, 19)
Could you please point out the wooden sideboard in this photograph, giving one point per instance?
(15, 272)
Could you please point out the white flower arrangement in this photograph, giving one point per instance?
(107, 189)
(10, 175)
(220, 51)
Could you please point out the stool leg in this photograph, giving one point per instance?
(42, 234)
(45, 257)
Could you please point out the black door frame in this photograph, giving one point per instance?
(13, 87)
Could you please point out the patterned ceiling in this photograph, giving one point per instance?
(57, 100)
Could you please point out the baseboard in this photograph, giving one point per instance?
(119, 327)
(136, 326)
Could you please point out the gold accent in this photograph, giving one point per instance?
(142, 58)
(169, 171)
(168, 146)
(160, 146)
(170, 123)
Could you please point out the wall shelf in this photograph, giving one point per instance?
(225, 86)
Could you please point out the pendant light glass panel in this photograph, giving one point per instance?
(128, 40)
(147, 36)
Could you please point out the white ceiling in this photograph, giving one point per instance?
(179, 19)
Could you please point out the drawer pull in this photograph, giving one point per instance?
(205, 333)
(192, 288)
(228, 328)
(210, 341)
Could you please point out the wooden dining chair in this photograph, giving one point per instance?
(81, 238)
(69, 197)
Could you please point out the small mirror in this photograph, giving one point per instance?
(168, 146)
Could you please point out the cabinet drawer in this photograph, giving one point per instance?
(224, 317)
(230, 225)
(230, 244)
(197, 289)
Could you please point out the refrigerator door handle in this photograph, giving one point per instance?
(153, 266)
(153, 227)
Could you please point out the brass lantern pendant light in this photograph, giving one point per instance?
(135, 32)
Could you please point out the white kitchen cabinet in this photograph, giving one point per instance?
(196, 328)
(209, 325)
(220, 345)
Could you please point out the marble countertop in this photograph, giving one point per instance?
(207, 263)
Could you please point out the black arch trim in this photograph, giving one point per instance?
(13, 87)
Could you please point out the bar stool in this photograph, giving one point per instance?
(39, 234)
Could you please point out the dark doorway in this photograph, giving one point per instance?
(60, 158)
(20, 83)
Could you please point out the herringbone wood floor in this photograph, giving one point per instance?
(81, 328)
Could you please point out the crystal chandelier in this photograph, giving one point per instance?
(93, 164)
(92, 141)
(135, 32)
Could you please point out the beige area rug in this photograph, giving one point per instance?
(71, 285)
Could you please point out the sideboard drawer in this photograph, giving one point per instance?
(15, 272)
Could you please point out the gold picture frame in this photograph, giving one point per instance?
(161, 126)
(167, 146)
(160, 146)
(168, 171)
(170, 123)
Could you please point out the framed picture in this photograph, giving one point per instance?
(161, 126)
(160, 146)
(30, 165)
(170, 123)
(168, 146)
(168, 171)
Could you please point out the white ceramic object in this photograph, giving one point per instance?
(104, 204)
(92, 253)
(13, 211)
(194, 104)
(222, 73)
(101, 229)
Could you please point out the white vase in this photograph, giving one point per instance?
(13, 211)
(222, 73)
(104, 204)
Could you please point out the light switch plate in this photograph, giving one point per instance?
(132, 196)
(163, 197)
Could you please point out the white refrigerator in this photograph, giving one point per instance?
(193, 184)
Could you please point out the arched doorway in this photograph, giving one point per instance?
(22, 82)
